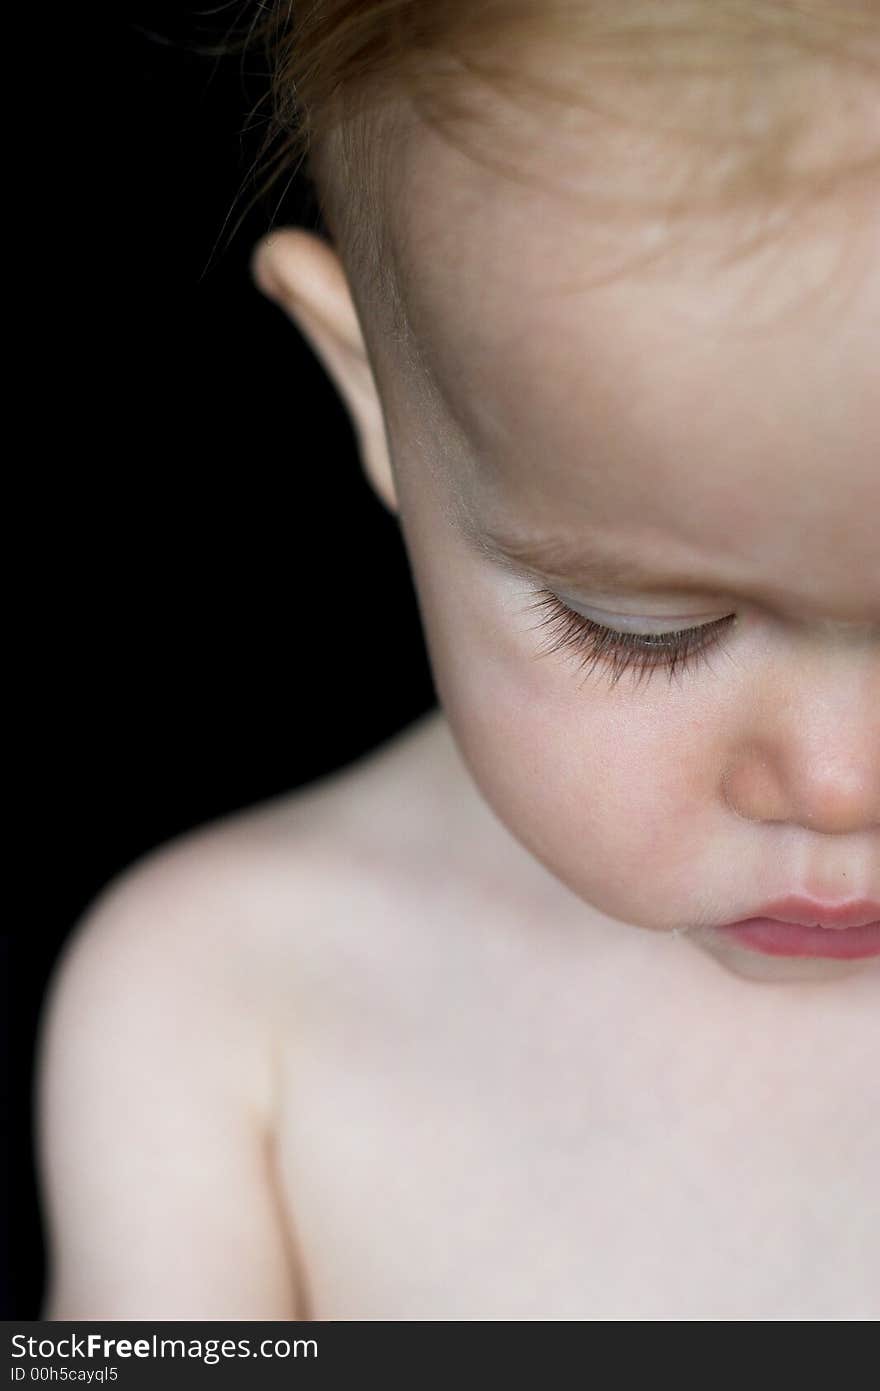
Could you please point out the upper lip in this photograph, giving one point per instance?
(809, 912)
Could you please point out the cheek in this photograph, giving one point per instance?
(611, 789)
(595, 786)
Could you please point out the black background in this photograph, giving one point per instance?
(214, 606)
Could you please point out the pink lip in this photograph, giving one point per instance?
(775, 938)
(797, 926)
(809, 912)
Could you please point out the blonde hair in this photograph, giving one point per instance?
(735, 86)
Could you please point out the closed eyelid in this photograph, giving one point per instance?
(639, 653)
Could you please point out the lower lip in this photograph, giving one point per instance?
(791, 939)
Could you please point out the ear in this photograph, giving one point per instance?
(303, 275)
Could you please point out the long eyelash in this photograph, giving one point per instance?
(637, 652)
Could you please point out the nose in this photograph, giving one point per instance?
(810, 755)
(827, 795)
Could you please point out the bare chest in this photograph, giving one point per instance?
(507, 1145)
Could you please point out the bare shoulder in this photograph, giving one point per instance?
(216, 983)
(161, 1030)
(259, 921)
(242, 903)
(347, 883)
(229, 879)
(404, 811)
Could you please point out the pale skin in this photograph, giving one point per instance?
(456, 1050)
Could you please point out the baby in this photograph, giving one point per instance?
(565, 1002)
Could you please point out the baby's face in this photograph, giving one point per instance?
(714, 429)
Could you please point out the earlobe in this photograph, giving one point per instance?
(304, 275)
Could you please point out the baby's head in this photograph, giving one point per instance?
(604, 305)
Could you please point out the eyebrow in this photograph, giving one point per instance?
(568, 561)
